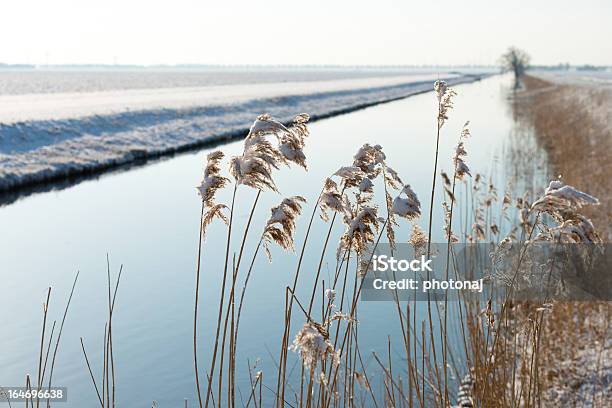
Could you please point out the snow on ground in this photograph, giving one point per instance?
(51, 136)
(28, 107)
(595, 78)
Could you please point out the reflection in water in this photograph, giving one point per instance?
(526, 159)
(63, 182)
(147, 219)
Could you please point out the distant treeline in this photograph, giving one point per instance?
(561, 66)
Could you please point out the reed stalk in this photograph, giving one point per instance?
(221, 301)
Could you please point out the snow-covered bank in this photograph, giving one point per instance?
(61, 142)
(70, 105)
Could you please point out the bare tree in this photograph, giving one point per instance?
(515, 60)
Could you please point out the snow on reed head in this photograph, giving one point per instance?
(331, 200)
(280, 228)
(369, 159)
(265, 124)
(368, 163)
(291, 140)
(445, 100)
(408, 207)
(366, 186)
(560, 199)
(254, 167)
(440, 88)
(212, 180)
(260, 156)
(313, 345)
(562, 202)
(330, 294)
(360, 229)
(351, 175)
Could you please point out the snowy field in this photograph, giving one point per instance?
(70, 80)
(586, 77)
(52, 134)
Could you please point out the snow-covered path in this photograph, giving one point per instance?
(50, 136)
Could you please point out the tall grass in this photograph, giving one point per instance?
(46, 366)
(105, 386)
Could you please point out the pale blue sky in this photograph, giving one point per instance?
(359, 32)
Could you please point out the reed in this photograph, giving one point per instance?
(47, 342)
(106, 392)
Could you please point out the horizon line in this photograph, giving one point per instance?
(4, 65)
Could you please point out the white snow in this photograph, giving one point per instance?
(49, 136)
(596, 78)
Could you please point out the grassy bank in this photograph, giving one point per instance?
(573, 124)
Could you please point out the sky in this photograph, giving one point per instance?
(337, 32)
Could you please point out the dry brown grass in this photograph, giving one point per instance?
(577, 351)
(573, 124)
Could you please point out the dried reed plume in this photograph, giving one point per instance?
(448, 220)
(254, 167)
(211, 183)
(445, 97)
(350, 175)
(366, 186)
(280, 227)
(331, 200)
(292, 141)
(408, 207)
(361, 228)
(391, 181)
(369, 159)
(313, 345)
(461, 169)
(212, 180)
(418, 240)
(260, 156)
(562, 201)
